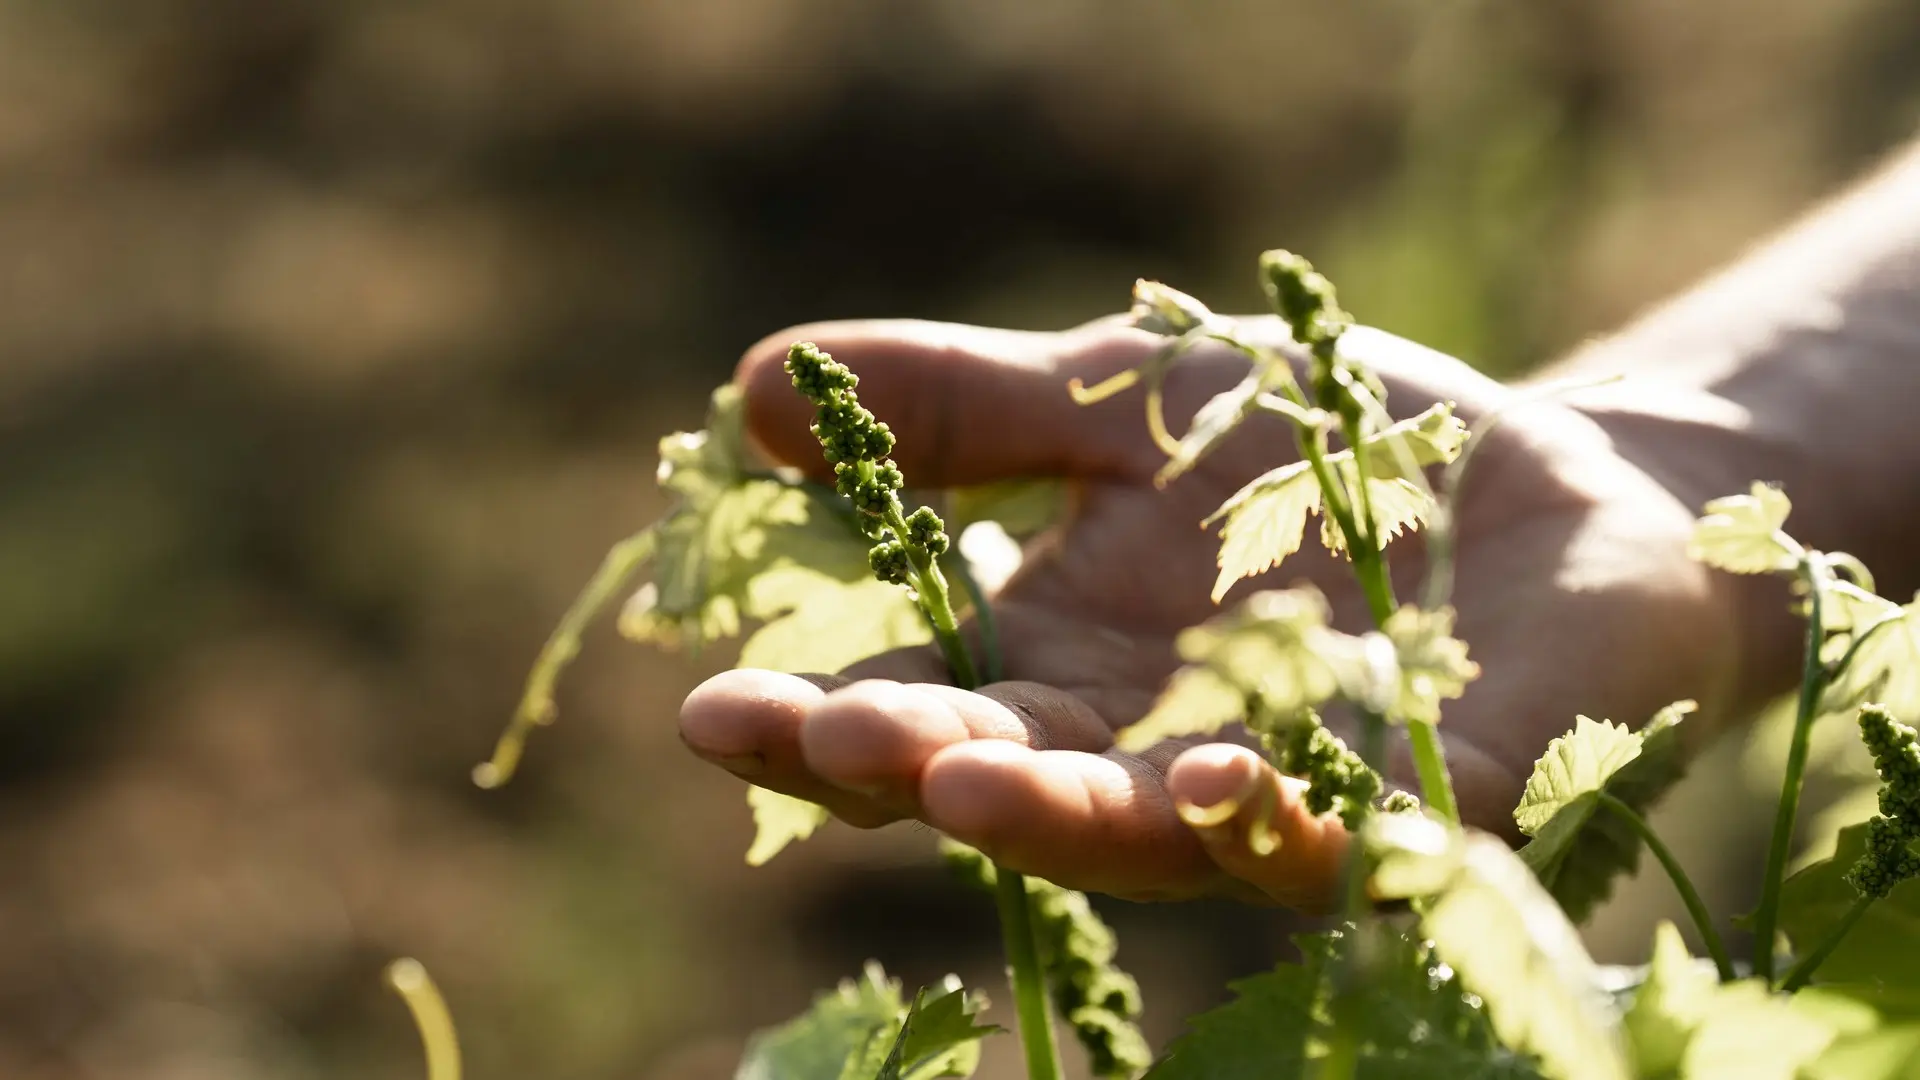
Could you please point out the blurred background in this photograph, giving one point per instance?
(335, 339)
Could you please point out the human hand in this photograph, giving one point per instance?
(1572, 583)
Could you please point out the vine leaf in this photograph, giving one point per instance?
(1264, 524)
(779, 820)
(1433, 663)
(1879, 960)
(1540, 987)
(1668, 1006)
(1886, 667)
(819, 624)
(817, 1044)
(1415, 1021)
(1264, 521)
(1578, 847)
(1399, 506)
(1748, 1033)
(1742, 533)
(863, 1031)
(1891, 1053)
(941, 1034)
(1273, 653)
(1263, 1032)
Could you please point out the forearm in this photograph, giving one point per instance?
(1800, 365)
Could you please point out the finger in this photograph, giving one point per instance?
(875, 737)
(748, 723)
(1255, 825)
(1099, 822)
(967, 404)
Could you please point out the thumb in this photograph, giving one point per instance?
(967, 404)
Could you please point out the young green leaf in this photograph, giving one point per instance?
(1274, 651)
(1433, 663)
(1748, 1033)
(1265, 520)
(1889, 1053)
(824, 625)
(939, 1037)
(817, 1044)
(779, 820)
(1539, 985)
(1742, 533)
(1880, 956)
(1264, 524)
(1668, 1006)
(1399, 506)
(1578, 846)
(1886, 667)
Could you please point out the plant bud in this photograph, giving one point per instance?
(1158, 309)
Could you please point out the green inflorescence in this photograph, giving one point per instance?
(1400, 802)
(1337, 777)
(1098, 1000)
(1305, 299)
(1889, 858)
(905, 546)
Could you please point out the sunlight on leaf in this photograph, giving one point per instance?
(1579, 848)
(1750, 1034)
(1265, 520)
(779, 820)
(1668, 1006)
(1264, 524)
(1886, 668)
(831, 624)
(1741, 533)
(1539, 985)
(1399, 506)
(1433, 663)
(1273, 652)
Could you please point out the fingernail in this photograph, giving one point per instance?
(1207, 817)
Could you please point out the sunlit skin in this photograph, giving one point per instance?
(1798, 365)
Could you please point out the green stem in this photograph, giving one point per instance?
(1025, 972)
(1343, 1040)
(1682, 884)
(1812, 683)
(1803, 970)
(1024, 969)
(1370, 566)
(1430, 765)
(983, 618)
(931, 584)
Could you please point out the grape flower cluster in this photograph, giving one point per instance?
(1338, 779)
(1889, 858)
(856, 445)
